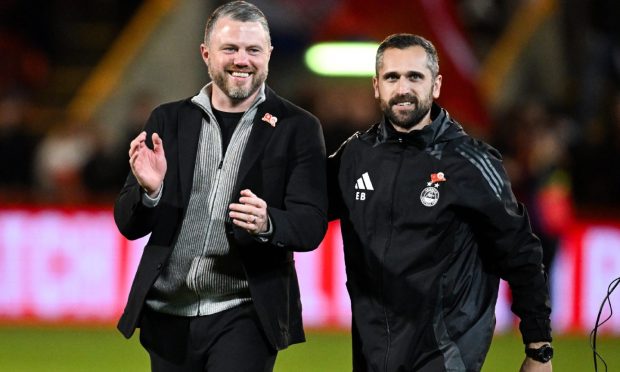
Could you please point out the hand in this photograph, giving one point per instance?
(148, 166)
(530, 365)
(250, 213)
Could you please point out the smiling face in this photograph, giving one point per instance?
(405, 87)
(237, 57)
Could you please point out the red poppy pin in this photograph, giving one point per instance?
(272, 120)
(436, 178)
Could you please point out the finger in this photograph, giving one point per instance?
(251, 202)
(249, 220)
(248, 197)
(244, 208)
(135, 143)
(251, 223)
(244, 225)
(248, 193)
(242, 216)
(132, 162)
(140, 137)
(135, 148)
(237, 207)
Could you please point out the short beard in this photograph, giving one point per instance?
(233, 91)
(410, 119)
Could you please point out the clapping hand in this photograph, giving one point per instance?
(148, 166)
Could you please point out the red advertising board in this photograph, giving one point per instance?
(72, 266)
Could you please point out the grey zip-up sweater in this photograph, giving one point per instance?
(203, 275)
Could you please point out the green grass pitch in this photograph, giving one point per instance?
(54, 349)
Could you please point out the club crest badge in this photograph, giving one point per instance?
(430, 195)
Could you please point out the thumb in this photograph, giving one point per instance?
(158, 144)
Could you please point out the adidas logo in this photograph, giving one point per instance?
(363, 183)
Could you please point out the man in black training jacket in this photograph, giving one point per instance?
(430, 225)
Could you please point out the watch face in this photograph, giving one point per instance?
(546, 353)
(542, 354)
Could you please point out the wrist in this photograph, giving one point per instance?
(539, 351)
(153, 193)
(536, 345)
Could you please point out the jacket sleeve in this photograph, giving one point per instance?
(133, 219)
(336, 204)
(337, 207)
(301, 223)
(508, 245)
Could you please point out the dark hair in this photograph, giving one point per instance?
(239, 11)
(403, 41)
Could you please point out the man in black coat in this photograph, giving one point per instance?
(239, 187)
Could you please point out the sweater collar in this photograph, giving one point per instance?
(203, 99)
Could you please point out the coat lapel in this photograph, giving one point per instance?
(189, 125)
(260, 134)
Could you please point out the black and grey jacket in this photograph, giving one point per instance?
(430, 225)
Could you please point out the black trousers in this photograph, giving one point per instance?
(229, 341)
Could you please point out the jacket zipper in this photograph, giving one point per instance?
(387, 246)
(215, 185)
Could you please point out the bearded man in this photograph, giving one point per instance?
(429, 226)
(240, 186)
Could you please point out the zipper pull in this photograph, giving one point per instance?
(220, 165)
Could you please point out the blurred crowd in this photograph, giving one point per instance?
(559, 147)
(48, 155)
(72, 162)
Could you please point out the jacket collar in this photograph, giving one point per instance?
(441, 129)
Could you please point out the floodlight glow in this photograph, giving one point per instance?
(342, 58)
